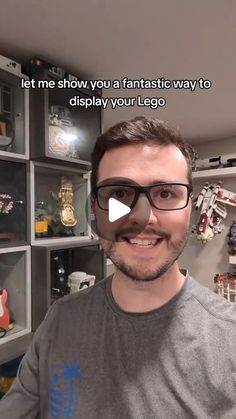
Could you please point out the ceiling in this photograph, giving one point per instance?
(107, 40)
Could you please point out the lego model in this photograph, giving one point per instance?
(65, 216)
(78, 280)
(6, 203)
(62, 133)
(227, 277)
(35, 65)
(59, 276)
(226, 160)
(226, 285)
(6, 117)
(10, 214)
(4, 311)
(212, 200)
(42, 220)
(232, 239)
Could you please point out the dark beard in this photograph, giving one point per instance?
(147, 275)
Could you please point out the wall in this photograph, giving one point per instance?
(215, 148)
(205, 260)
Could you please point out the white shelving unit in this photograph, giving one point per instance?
(15, 252)
(31, 171)
(15, 276)
(224, 172)
(232, 260)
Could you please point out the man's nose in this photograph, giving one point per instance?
(143, 213)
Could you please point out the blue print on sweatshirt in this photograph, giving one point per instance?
(64, 390)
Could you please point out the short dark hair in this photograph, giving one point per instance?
(140, 130)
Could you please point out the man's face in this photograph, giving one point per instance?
(143, 165)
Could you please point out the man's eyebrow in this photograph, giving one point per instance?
(125, 181)
(116, 180)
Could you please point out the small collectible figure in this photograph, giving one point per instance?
(42, 220)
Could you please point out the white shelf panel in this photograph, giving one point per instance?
(60, 240)
(232, 260)
(15, 333)
(215, 173)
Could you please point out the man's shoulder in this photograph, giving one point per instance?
(213, 305)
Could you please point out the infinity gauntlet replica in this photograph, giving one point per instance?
(65, 206)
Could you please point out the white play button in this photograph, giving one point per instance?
(117, 210)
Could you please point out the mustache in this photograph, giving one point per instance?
(149, 232)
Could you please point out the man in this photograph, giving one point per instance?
(149, 341)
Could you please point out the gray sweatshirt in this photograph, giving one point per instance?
(91, 360)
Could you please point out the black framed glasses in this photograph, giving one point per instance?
(2, 332)
(162, 196)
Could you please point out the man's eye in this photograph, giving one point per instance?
(165, 194)
(119, 193)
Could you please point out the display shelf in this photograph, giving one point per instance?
(53, 187)
(54, 190)
(60, 131)
(225, 172)
(14, 348)
(46, 263)
(14, 190)
(232, 260)
(15, 278)
(14, 115)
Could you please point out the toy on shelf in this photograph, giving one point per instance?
(8, 208)
(62, 133)
(65, 218)
(59, 276)
(232, 239)
(212, 200)
(226, 285)
(80, 280)
(6, 117)
(226, 160)
(4, 311)
(35, 65)
(42, 220)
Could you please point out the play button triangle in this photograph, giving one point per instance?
(117, 210)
